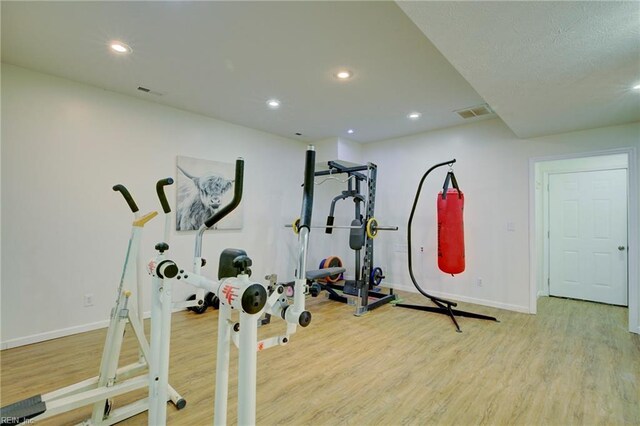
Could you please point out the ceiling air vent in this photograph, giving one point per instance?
(149, 91)
(475, 111)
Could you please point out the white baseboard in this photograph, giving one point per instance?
(466, 299)
(55, 334)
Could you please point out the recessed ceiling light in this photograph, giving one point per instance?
(273, 103)
(636, 87)
(120, 47)
(350, 131)
(344, 74)
(414, 115)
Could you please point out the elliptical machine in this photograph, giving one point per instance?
(237, 293)
(112, 380)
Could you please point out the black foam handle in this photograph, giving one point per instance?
(307, 192)
(161, 195)
(237, 196)
(328, 229)
(127, 197)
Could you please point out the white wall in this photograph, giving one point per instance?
(493, 171)
(64, 231)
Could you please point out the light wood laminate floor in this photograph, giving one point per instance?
(574, 363)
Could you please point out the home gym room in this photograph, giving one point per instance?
(424, 213)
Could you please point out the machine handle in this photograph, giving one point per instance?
(127, 197)
(161, 195)
(237, 196)
(307, 192)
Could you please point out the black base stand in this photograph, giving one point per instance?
(446, 310)
(443, 306)
(349, 288)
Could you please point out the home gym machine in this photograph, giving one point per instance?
(443, 306)
(112, 381)
(237, 293)
(363, 230)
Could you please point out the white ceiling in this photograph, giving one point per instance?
(544, 67)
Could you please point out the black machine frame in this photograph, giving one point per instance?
(361, 287)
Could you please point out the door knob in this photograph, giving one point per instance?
(620, 248)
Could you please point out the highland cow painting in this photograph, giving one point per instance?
(204, 187)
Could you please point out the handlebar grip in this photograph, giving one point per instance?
(127, 197)
(237, 196)
(307, 192)
(161, 195)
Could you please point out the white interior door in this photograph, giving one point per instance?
(588, 236)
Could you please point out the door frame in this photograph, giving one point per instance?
(536, 228)
(546, 282)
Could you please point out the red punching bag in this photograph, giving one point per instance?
(450, 227)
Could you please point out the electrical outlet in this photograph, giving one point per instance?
(88, 300)
(479, 282)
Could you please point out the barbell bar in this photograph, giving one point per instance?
(371, 228)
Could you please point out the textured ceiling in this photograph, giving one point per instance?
(225, 59)
(544, 67)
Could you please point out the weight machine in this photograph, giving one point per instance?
(236, 293)
(363, 230)
(111, 381)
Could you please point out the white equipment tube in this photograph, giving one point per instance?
(222, 365)
(163, 271)
(247, 366)
(163, 378)
(154, 365)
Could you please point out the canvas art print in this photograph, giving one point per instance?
(203, 188)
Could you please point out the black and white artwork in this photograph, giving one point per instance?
(203, 188)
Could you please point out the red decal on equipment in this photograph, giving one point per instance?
(260, 346)
(228, 293)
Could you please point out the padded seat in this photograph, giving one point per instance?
(317, 274)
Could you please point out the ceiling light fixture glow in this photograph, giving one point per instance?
(636, 87)
(273, 103)
(120, 47)
(414, 115)
(343, 75)
(350, 131)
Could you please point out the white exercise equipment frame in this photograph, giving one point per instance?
(111, 381)
(237, 294)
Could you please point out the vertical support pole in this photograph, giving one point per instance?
(247, 369)
(165, 342)
(368, 245)
(137, 273)
(155, 345)
(222, 365)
